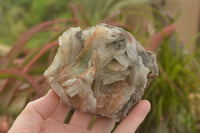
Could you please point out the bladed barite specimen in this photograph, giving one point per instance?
(101, 70)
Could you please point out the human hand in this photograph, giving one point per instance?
(47, 115)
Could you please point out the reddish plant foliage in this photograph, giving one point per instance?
(158, 38)
(44, 49)
(24, 38)
(13, 72)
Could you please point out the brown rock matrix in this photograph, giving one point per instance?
(101, 70)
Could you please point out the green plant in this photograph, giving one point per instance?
(170, 94)
(11, 22)
(93, 12)
(18, 15)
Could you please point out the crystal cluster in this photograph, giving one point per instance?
(101, 70)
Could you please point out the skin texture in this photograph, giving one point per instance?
(47, 115)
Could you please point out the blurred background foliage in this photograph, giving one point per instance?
(29, 31)
(18, 15)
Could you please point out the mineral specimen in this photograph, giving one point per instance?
(101, 70)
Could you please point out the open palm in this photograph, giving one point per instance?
(47, 115)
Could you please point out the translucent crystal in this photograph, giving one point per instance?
(101, 70)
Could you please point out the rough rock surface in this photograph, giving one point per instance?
(101, 70)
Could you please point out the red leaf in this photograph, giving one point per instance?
(158, 38)
(45, 49)
(18, 72)
(24, 38)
